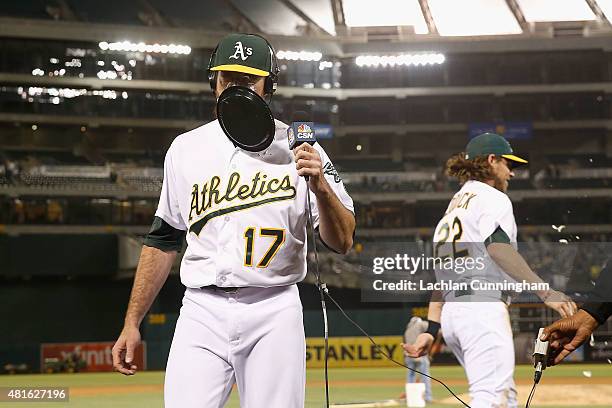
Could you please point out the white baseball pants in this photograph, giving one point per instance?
(480, 336)
(253, 338)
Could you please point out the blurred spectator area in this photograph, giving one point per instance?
(384, 218)
(127, 193)
(134, 171)
(77, 211)
(135, 103)
(111, 177)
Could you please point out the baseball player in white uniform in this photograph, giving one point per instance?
(479, 224)
(244, 216)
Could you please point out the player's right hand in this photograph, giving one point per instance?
(123, 350)
(421, 346)
(559, 302)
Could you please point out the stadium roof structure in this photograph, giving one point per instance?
(337, 27)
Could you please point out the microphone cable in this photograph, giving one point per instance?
(531, 394)
(537, 376)
(323, 291)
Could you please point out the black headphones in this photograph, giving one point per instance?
(270, 82)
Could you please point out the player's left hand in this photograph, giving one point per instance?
(308, 163)
(560, 302)
(421, 346)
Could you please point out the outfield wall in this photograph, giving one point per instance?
(58, 310)
(91, 309)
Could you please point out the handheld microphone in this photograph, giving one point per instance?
(540, 355)
(301, 130)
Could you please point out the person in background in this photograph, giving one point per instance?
(414, 328)
(12, 171)
(567, 334)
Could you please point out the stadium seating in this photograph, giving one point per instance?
(143, 172)
(358, 164)
(143, 179)
(580, 160)
(68, 183)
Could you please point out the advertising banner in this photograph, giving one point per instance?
(354, 351)
(83, 357)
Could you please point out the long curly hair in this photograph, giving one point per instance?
(464, 169)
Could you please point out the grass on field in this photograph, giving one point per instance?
(346, 385)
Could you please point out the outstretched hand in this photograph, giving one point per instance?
(421, 346)
(567, 334)
(560, 302)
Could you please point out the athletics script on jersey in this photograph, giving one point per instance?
(215, 198)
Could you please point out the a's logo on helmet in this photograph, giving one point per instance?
(241, 51)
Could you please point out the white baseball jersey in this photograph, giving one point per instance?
(474, 213)
(245, 213)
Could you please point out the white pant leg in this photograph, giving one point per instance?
(447, 325)
(198, 374)
(480, 336)
(270, 356)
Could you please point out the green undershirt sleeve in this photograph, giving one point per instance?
(499, 236)
(165, 237)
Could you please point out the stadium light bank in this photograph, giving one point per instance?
(400, 60)
(299, 55)
(128, 46)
